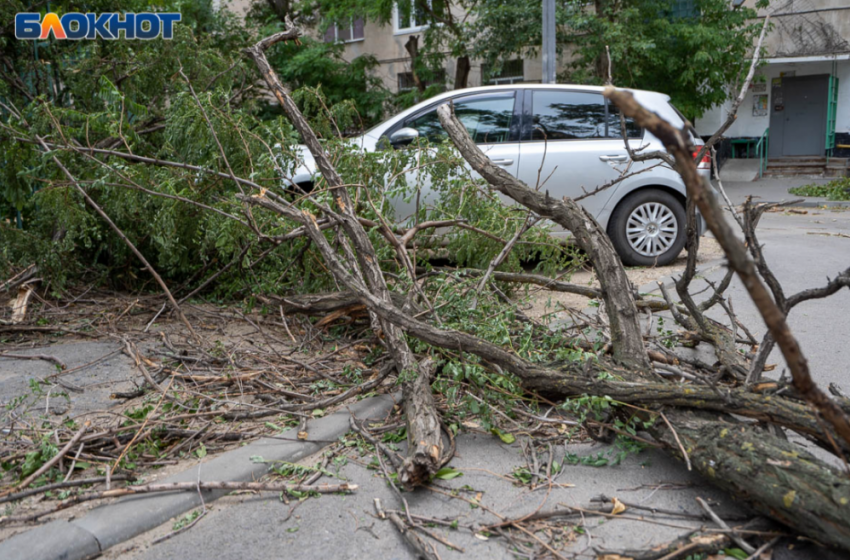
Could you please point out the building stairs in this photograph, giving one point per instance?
(807, 166)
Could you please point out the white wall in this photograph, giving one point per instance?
(746, 125)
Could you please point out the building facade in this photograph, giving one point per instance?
(800, 99)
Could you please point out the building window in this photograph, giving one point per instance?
(683, 9)
(510, 73)
(345, 33)
(406, 82)
(409, 17)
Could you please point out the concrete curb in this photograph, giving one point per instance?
(126, 518)
(824, 204)
(806, 203)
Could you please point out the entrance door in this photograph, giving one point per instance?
(798, 116)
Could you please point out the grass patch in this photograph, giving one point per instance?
(837, 189)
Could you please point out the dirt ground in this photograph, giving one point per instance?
(546, 304)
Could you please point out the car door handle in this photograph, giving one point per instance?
(614, 158)
(503, 162)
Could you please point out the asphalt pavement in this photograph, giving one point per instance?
(804, 249)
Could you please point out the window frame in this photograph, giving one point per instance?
(336, 39)
(397, 29)
(439, 79)
(528, 118)
(504, 80)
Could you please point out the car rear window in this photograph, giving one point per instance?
(685, 121)
(567, 115)
(632, 128)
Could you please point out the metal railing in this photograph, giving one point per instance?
(762, 149)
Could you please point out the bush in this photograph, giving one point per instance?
(837, 189)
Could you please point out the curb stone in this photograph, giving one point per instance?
(827, 204)
(114, 523)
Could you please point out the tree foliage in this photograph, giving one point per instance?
(690, 49)
(134, 97)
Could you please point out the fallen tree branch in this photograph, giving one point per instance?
(187, 486)
(123, 238)
(677, 143)
(49, 464)
(45, 357)
(368, 270)
(617, 290)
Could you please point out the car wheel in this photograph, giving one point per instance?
(647, 228)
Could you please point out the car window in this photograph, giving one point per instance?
(487, 119)
(632, 128)
(691, 128)
(567, 115)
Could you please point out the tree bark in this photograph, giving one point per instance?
(774, 476)
(462, 68)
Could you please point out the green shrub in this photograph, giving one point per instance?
(837, 189)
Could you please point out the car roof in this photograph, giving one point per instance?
(581, 87)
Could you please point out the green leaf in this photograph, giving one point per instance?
(447, 473)
(736, 553)
(201, 451)
(506, 438)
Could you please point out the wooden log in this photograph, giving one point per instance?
(424, 439)
(774, 476)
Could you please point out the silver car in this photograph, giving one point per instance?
(567, 140)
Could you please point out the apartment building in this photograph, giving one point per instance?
(800, 101)
(799, 104)
(387, 44)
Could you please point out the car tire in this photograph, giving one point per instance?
(647, 228)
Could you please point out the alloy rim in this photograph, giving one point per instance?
(652, 229)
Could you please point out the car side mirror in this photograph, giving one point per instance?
(403, 136)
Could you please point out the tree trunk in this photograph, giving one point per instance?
(280, 8)
(462, 67)
(412, 48)
(774, 476)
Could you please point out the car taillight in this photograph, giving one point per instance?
(705, 162)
